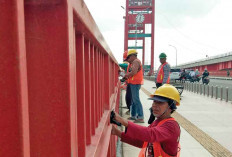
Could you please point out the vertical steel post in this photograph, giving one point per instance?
(200, 88)
(97, 86)
(107, 82)
(216, 90)
(227, 94)
(221, 92)
(87, 91)
(81, 121)
(93, 92)
(14, 122)
(208, 90)
(212, 92)
(49, 45)
(204, 90)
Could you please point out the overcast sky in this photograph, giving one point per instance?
(196, 28)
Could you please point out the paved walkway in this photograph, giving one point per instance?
(206, 124)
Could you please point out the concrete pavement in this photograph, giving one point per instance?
(206, 128)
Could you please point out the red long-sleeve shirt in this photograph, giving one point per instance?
(167, 134)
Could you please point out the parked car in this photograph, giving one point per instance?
(175, 74)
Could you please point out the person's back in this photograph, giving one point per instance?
(205, 74)
(183, 74)
(197, 73)
(192, 74)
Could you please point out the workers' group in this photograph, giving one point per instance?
(161, 137)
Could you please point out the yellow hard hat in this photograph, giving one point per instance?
(167, 91)
(132, 52)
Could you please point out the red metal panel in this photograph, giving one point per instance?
(96, 86)
(90, 26)
(72, 88)
(13, 81)
(101, 83)
(109, 149)
(229, 64)
(106, 83)
(99, 86)
(48, 79)
(66, 105)
(93, 94)
(81, 121)
(87, 92)
(100, 79)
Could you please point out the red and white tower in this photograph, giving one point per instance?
(139, 14)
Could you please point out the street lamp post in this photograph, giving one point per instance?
(176, 53)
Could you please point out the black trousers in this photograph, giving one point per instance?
(158, 85)
(128, 96)
(152, 117)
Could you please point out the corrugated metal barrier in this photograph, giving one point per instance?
(58, 81)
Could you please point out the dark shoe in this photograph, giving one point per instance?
(127, 112)
(139, 121)
(131, 118)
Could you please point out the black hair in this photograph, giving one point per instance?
(172, 105)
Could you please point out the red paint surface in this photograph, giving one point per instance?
(57, 79)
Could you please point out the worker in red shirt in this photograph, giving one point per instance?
(161, 138)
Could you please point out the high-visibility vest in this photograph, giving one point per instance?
(160, 76)
(157, 149)
(138, 77)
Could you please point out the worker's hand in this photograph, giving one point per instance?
(115, 131)
(121, 120)
(117, 117)
(113, 120)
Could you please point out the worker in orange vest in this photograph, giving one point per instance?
(125, 65)
(162, 75)
(134, 78)
(161, 138)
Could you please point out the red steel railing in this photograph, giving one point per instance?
(58, 81)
